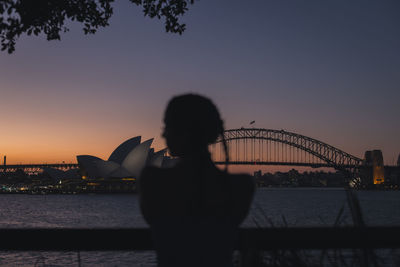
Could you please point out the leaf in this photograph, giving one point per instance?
(32, 17)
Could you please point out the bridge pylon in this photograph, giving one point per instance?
(373, 171)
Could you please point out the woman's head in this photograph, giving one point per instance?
(192, 122)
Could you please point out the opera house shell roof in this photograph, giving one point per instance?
(127, 160)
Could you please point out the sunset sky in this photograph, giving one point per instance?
(329, 70)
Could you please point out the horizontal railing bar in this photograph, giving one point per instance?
(320, 238)
(99, 239)
(70, 239)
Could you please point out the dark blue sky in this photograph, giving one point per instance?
(326, 69)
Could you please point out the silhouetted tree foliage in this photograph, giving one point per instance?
(49, 16)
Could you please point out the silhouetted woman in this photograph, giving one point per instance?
(193, 208)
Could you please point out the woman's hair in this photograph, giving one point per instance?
(195, 116)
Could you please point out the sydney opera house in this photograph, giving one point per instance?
(126, 161)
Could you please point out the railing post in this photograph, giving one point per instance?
(250, 254)
(251, 257)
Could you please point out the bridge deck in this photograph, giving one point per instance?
(271, 163)
(275, 163)
(39, 165)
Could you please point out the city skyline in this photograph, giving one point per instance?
(325, 70)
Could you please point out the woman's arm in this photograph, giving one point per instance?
(145, 187)
(243, 188)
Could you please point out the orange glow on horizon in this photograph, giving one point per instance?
(21, 149)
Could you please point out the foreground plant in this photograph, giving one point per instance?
(325, 257)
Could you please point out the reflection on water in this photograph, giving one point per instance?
(316, 206)
(292, 206)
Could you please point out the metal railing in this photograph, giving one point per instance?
(98, 239)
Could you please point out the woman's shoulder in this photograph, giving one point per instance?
(242, 186)
(242, 181)
(156, 177)
(242, 190)
(151, 172)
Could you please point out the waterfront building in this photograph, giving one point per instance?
(126, 161)
(374, 160)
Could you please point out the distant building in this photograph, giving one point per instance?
(257, 174)
(374, 160)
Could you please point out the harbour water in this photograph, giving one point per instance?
(277, 207)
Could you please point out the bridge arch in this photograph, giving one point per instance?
(329, 156)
